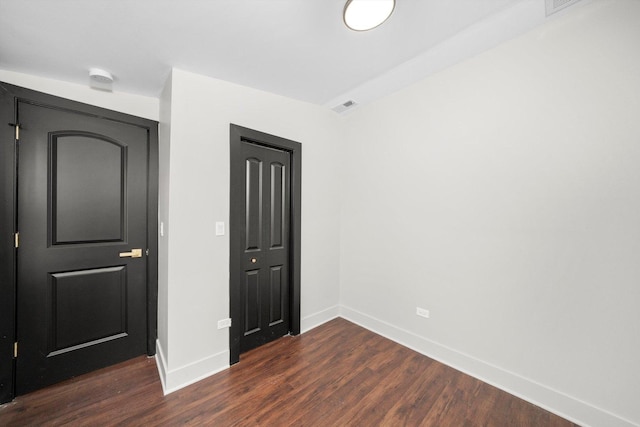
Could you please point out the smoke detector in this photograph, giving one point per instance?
(100, 79)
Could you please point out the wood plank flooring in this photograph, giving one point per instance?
(338, 374)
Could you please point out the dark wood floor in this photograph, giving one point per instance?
(338, 374)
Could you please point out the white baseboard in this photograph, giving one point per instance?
(552, 400)
(316, 319)
(161, 363)
(178, 378)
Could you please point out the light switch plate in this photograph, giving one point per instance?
(219, 228)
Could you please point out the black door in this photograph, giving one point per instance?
(261, 243)
(82, 213)
(263, 278)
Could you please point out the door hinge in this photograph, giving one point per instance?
(17, 126)
(15, 350)
(17, 239)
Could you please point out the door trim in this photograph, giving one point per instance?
(237, 135)
(10, 95)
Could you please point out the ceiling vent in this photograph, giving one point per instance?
(554, 6)
(344, 106)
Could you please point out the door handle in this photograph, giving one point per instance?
(135, 253)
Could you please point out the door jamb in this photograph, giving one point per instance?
(239, 134)
(9, 97)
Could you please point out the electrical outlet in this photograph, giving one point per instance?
(422, 312)
(224, 323)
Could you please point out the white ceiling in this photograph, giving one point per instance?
(296, 48)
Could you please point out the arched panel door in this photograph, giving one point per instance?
(81, 270)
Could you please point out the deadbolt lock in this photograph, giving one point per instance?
(135, 253)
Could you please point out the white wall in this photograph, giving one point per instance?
(137, 105)
(164, 144)
(197, 275)
(503, 195)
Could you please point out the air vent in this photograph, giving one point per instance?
(344, 106)
(554, 6)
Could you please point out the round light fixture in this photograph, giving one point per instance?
(363, 15)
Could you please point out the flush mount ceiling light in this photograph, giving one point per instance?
(363, 15)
